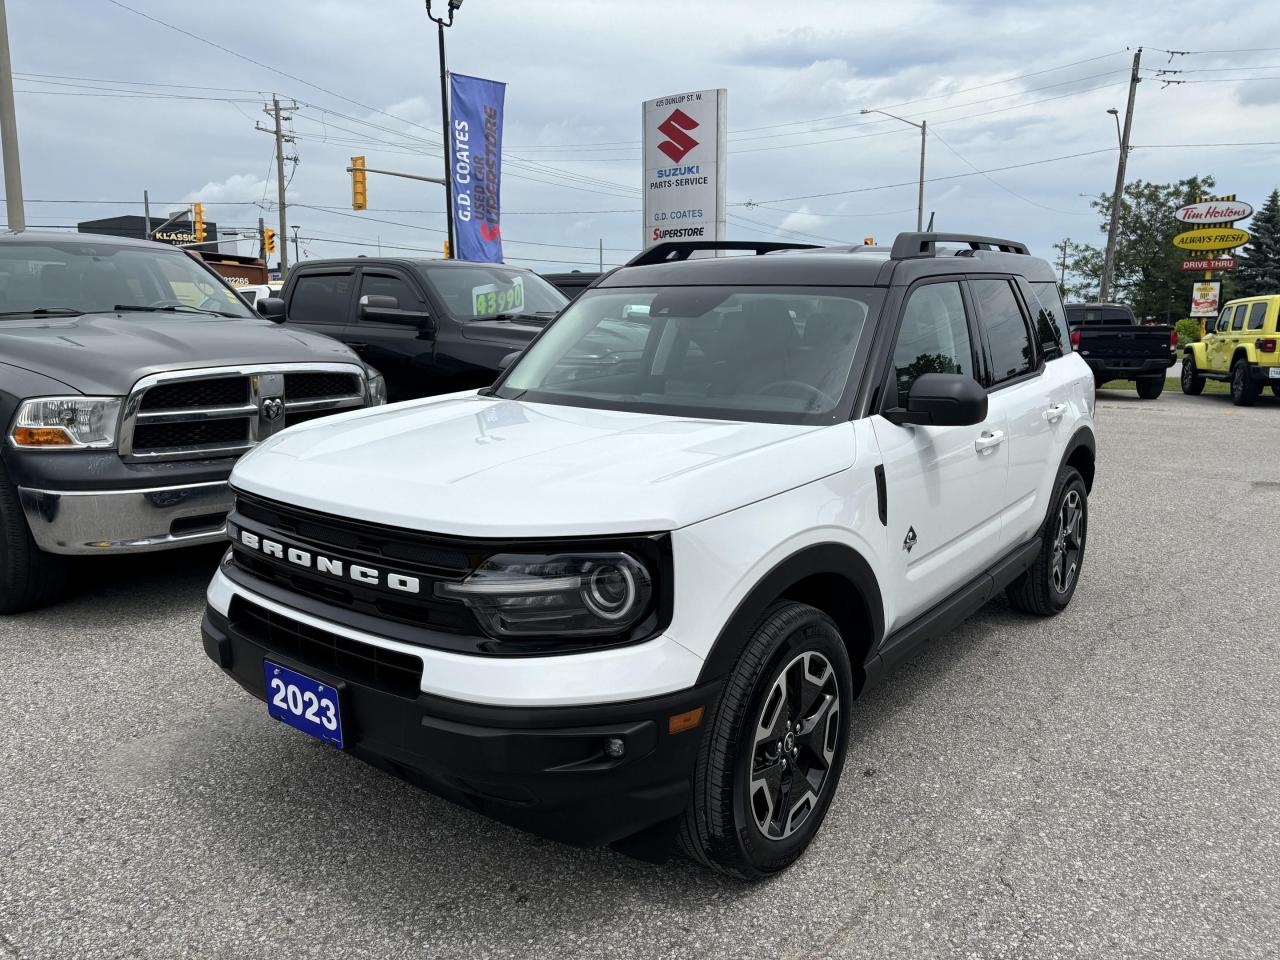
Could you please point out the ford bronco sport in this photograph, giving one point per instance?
(630, 596)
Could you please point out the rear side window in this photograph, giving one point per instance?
(1257, 315)
(321, 298)
(1051, 323)
(1225, 320)
(933, 338)
(1008, 339)
(1237, 322)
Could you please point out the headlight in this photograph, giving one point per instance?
(377, 390)
(534, 595)
(68, 423)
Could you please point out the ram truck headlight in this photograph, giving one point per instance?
(538, 595)
(377, 386)
(66, 423)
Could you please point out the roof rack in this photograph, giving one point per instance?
(914, 246)
(674, 251)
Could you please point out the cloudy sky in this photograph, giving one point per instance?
(111, 103)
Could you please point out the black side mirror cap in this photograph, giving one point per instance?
(387, 310)
(272, 308)
(942, 400)
(508, 360)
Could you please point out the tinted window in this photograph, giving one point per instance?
(1257, 314)
(1007, 337)
(1225, 319)
(1051, 326)
(1237, 322)
(933, 338)
(387, 285)
(321, 298)
(481, 290)
(1114, 315)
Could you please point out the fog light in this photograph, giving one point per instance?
(614, 748)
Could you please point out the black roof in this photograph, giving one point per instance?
(102, 239)
(408, 262)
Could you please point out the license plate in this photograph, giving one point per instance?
(1273, 373)
(303, 703)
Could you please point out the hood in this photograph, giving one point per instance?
(107, 353)
(472, 466)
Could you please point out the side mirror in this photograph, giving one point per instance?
(387, 309)
(508, 360)
(942, 400)
(272, 308)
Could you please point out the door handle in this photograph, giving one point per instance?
(1054, 413)
(989, 441)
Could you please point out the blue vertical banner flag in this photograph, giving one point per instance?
(475, 166)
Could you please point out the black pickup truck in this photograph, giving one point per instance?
(1117, 347)
(131, 379)
(430, 326)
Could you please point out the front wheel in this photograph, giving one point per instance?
(1192, 382)
(1243, 390)
(1049, 584)
(1150, 388)
(771, 758)
(28, 577)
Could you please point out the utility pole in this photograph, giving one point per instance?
(1062, 270)
(146, 212)
(262, 240)
(274, 112)
(9, 133)
(924, 125)
(602, 254)
(297, 257)
(1117, 197)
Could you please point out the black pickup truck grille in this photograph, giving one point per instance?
(187, 415)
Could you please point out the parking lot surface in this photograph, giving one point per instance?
(1102, 784)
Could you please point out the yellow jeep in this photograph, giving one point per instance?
(1241, 346)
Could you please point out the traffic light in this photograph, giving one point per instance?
(359, 200)
(868, 241)
(448, 253)
(269, 240)
(197, 219)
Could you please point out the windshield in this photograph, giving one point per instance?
(774, 354)
(483, 291)
(69, 277)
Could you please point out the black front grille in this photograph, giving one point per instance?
(320, 386)
(218, 392)
(331, 653)
(209, 433)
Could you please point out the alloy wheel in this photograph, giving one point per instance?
(1068, 541)
(796, 736)
(1188, 373)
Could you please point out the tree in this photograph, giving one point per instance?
(1258, 270)
(1148, 267)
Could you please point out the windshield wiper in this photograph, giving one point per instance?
(44, 312)
(170, 308)
(539, 317)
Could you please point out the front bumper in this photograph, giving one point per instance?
(126, 521)
(543, 769)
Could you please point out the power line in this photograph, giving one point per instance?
(1013, 193)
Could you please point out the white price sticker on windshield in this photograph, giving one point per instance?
(491, 299)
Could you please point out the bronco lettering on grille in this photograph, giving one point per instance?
(369, 576)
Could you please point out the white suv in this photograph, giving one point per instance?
(629, 593)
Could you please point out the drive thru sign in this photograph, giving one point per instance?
(684, 166)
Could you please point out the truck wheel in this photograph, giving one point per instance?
(28, 577)
(1243, 390)
(1192, 382)
(771, 757)
(1275, 389)
(1150, 388)
(1048, 585)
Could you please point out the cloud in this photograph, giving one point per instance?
(1263, 93)
(236, 188)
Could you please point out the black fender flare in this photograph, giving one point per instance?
(820, 558)
(1081, 438)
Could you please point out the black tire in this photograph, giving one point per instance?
(28, 577)
(1192, 382)
(1243, 390)
(1149, 388)
(1275, 389)
(722, 827)
(1046, 588)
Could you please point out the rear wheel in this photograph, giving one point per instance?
(1048, 585)
(1192, 382)
(28, 577)
(1275, 389)
(771, 757)
(1150, 387)
(1243, 390)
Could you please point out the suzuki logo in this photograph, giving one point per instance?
(678, 143)
(272, 408)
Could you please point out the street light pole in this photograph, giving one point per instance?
(445, 125)
(1117, 197)
(922, 126)
(9, 133)
(297, 257)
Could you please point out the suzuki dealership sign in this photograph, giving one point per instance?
(684, 166)
(475, 164)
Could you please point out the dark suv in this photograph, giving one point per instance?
(429, 326)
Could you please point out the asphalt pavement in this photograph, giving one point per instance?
(1102, 784)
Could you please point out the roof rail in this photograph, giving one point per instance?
(913, 246)
(674, 251)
